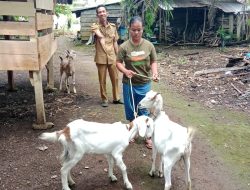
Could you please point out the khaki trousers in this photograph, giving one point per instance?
(113, 74)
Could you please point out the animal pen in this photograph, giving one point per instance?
(27, 44)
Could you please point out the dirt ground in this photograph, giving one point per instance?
(27, 163)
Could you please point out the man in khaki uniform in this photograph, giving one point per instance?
(106, 46)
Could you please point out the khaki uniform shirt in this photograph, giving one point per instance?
(111, 35)
(138, 59)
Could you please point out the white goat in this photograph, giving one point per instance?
(67, 69)
(170, 139)
(82, 137)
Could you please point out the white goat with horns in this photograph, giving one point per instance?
(170, 139)
(82, 137)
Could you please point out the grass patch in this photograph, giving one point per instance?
(227, 130)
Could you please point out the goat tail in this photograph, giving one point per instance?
(60, 137)
(51, 137)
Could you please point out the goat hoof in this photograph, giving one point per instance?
(160, 174)
(151, 174)
(66, 188)
(113, 178)
(72, 183)
(129, 186)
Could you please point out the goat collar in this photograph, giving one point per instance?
(130, 126)
(154, 115)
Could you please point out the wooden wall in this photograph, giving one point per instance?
(23, 42)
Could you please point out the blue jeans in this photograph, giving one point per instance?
(139, 93)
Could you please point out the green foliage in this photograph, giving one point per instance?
(248, 22)
(147, 9)
(224, 34)
(63, 9)
(149, 21)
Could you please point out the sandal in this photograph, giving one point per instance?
(148, 143)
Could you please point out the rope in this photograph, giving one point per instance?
(132, 95)
(151, 78)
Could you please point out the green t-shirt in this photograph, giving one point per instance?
(138, 59)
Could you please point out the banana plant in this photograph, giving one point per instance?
(147, 9)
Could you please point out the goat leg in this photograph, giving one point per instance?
(61, 81)
(110, 160)
(167, 173)
(123, 168)
(70, 180)
(152, 171)
(160, 174)
(65, 170)
(186, 159)
(74, 83)
(67, 84)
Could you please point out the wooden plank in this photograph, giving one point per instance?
(44, 21)
(11, 80)
(17, 28)
(17, 8)
(18, 47)
(50, 74)
(18, 62)
(86, 25)
(217, 70)
(46, 48)
(45, 4)
(40, 111)
(88, 19)
(86, 33)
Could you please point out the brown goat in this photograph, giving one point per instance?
(67, 69)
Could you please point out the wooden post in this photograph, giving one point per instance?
(160, 25)
(50, 73)
(238, 26)
(184, 33)
(204, 25)
(10, 74)
(231, 23)
(11, 81)
(39, 97)
(40, 111)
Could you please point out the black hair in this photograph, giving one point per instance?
(99, 7)
(135, 19)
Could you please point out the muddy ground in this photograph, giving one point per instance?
(27, 163)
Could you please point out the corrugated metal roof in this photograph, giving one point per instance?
(183, 4)
(224, 6)
(108, 2)
(186, 4)
(230, 7)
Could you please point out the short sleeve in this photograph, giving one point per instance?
(94, 27)
(116, 35)
(121, 54)
(153, 55)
